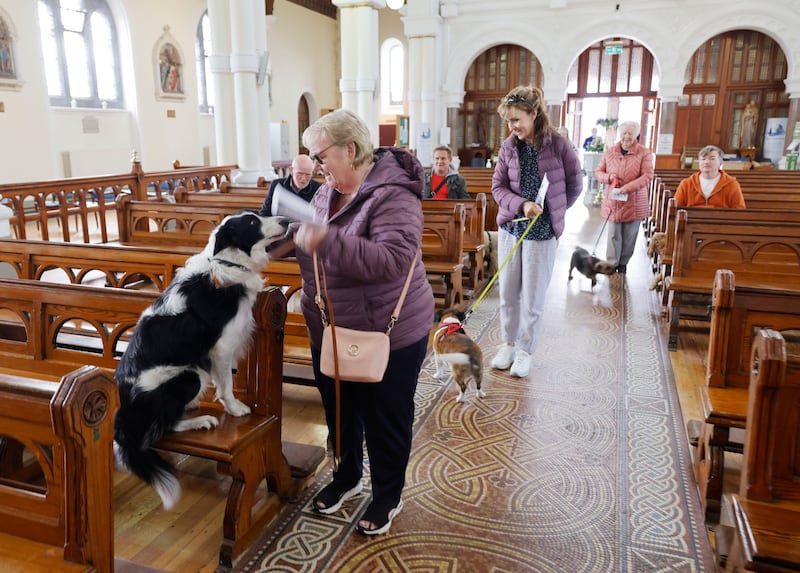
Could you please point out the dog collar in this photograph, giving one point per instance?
(230, 264)
(449, 328)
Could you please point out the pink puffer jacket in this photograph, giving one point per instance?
(635, 171)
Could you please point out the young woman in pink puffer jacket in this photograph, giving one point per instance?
(627, 169)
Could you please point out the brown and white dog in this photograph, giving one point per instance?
(452, 345)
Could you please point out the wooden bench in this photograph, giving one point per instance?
(231, 199)
(156, 224)
(479, 180)
(738, 313)
(783, 200)
(474, 228)
(99, 265)
(84, 199)
(761, 247)
(56, 465)
(766, 511)
(442, 250)
(297, 368)
(53, 327)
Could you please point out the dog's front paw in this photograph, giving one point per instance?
(439, 373)
(205, 422)
(460, 397)
(481, 393)
(236, 407)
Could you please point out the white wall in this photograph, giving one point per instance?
(304, 48)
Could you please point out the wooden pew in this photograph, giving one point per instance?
(479, 180)
(474, 228)
(739, 312)
(232, 198)
(99, 265)
(442, 250)
(49, 328)
(783, 200)
(766, 512)
(56, 465)
(761, 247)
(155, 224)
(85, 199)
(128, 266)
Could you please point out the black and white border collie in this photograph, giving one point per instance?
(190, 337)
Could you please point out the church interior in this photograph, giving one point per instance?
(657, 428)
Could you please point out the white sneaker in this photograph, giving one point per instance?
(522, 364)
(504, 357)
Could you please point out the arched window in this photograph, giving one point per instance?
(81, 54)
(205, 87)
(393, 66)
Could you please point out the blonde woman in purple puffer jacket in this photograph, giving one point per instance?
(627, 169)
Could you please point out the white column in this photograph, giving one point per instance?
(222, 80)
(423, 28)
(244, 66)
(262, 94)
(359, 57)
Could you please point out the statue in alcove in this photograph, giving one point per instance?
(748, 126)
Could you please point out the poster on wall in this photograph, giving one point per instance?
(425, 144)
(774, 136)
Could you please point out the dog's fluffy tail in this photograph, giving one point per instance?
(152, 469)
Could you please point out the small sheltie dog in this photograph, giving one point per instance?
(452, 346)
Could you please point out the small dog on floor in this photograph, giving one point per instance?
(658, 242)
(490, 251)
(452, 345)
(189, 338)
(589, 265)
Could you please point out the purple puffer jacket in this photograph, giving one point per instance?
(368, 252)
(558, 160)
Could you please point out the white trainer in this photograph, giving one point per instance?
(504, 357)
(522, 364)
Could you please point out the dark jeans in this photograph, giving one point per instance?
(383, 413)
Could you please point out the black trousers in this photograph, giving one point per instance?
(383, 414)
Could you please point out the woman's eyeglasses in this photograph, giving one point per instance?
(515, 98)
(317, 159)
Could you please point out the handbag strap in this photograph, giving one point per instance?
(337, 446)
(320, 302)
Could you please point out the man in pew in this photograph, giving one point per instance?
(443, 181)
(711, 186)
(299, 181)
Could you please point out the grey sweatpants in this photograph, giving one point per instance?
(621, 241)
(523, 286)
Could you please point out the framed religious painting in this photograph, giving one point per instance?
(9, 78)
(168, 66)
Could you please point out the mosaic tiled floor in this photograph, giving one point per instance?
(581, 467)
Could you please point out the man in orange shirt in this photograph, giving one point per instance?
(711, 186)
(443, 181)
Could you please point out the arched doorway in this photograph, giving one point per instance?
(303, 121)
(479, 130)
(723, 76)
(611, 81)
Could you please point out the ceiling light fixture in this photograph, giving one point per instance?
(395, 4)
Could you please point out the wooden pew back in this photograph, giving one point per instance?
(57, 463)
(738, 313)
(119, 266)
(771, 465)
(442, 249)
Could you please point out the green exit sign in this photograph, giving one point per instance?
(613, 50)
